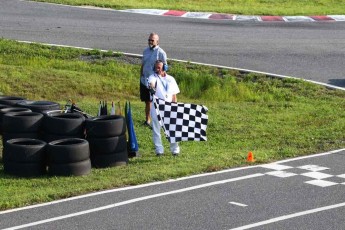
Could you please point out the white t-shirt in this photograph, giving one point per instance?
(166, 86)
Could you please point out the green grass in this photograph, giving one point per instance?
(273, 118)
(251, 7)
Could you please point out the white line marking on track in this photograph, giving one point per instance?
(124, 189)
(159, 182)
(134, 200)
(321, 183)
(238, 204)
(281, 218)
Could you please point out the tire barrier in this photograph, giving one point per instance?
(107, 139)
(38, 137)
(9, 110)
(63, 125)
(24, 157)
(68, 157)
(10, 100)
(21, 125)
(38, 106)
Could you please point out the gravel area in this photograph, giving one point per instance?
(118, 57)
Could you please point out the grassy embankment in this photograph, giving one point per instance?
(249, 7)
(273, 118)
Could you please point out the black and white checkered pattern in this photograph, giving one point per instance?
(315, 174)
(180, 121)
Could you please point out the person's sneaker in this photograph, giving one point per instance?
(159, 154)
(147, 124)
(175, 154)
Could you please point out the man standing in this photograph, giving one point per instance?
(150, 55)
(164, 87)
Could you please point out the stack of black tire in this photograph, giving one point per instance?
(68, 157)
(65, 156)
(38, 138)
(107, 140)
(68, 152)
(24, 157)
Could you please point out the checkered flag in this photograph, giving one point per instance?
(180, 121)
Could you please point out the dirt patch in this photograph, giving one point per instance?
(117, 57)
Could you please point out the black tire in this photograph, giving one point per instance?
(67, 151)
(38, 106)
(2, 106)
(70, 169)
(107, 145)
(24, 150)
(47, 137)
(14, 109)
(10, 100)
(22, 122)
(24, 169)
(68, 124)
(9, 136)
(109, 160)
(10, 110)
(105, 126)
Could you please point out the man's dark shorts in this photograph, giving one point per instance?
(144, 93)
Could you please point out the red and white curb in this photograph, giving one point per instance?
(233, 17)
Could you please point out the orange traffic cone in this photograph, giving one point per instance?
(250, 157)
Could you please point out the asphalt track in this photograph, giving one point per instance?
(309, 50)
(300, 193)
